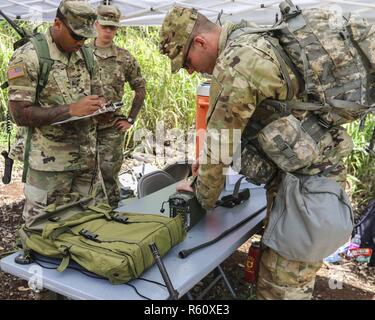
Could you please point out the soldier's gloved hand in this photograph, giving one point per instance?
(122, 125)
(85, 106)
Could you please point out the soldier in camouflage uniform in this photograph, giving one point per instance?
(62, 158)
(117, 66)
(245, 71)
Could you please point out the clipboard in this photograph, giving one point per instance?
(108, 107)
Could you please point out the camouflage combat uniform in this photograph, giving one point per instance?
(62, 157)
(116, 67)
(246, 72)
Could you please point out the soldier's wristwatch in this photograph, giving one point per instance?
(130, 120)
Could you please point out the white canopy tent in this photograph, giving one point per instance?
(151, 12)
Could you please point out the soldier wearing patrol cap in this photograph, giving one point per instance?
(245, 71)
(58, 159)
(117, 66)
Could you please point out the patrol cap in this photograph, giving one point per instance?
(109, 15)
(175, 34)
(79, 16)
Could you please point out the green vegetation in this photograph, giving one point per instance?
(171, 98)
(361, 166)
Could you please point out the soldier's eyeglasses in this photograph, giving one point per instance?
(112, 28)
(75, 36)
(186, 58)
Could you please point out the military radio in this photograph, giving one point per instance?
(186, 204)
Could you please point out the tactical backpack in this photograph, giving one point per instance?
(113, 245)
(331, 57)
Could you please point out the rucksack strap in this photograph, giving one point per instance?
(88, 56)
(284, 62)
(314, 127)
(285, 148)
(45, 64)
(282, 57)
(26, 154)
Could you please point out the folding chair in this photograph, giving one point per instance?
(178, 171)
(154, 181)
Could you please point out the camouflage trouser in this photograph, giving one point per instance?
(110, 147)
(43, 188)
(282, 279)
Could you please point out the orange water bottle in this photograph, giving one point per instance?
(203, 92)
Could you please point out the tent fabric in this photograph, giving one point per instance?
(152, 12)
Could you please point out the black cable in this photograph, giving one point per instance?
(88, 274)
(152, 281)
(69, 267)
(135, 289)
(185, 253)
(94, 276)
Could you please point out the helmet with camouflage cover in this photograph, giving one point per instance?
(109, 15)
(79, 16)
(175, 34)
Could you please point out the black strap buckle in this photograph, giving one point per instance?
(120, 219)
(89, 235)
(231, 201)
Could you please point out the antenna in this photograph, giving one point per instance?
(218, 21)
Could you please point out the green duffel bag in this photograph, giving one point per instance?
(110, 244)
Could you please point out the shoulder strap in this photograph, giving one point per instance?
(253, 30)
(45, 62)
(280, 53)
(88, 56)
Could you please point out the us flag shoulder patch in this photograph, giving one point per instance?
(16, 71)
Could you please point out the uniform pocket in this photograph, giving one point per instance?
(35, 195)
(287, 144)
(254, 166)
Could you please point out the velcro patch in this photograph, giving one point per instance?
(16, 71)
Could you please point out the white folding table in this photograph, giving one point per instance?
(184, 273)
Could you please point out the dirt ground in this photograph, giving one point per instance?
(345, 281)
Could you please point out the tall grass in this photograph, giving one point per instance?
(361, 165)
(171, 98)
(7, 37)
